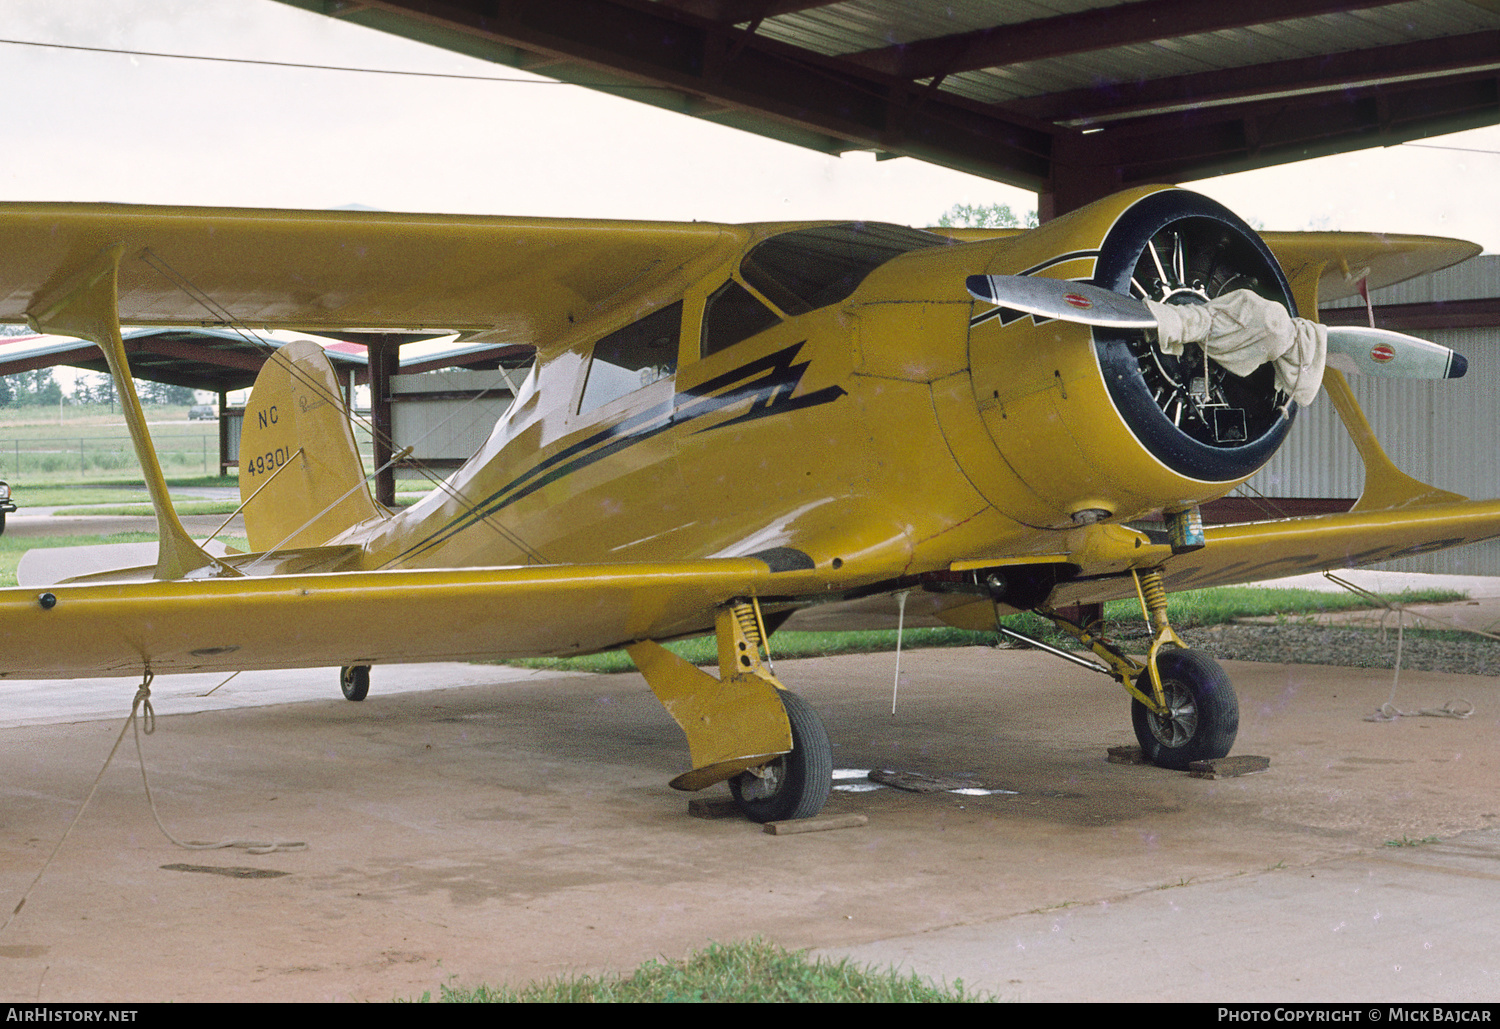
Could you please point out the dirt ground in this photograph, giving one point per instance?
(516, 831)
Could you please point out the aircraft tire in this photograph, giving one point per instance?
(1205, 715)
(798, 782)
(354, 680)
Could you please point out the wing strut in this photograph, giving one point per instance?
(85, 304)
(1386, 486)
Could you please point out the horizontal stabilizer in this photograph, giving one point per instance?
(1352, 348)
(105, 567)
(48, 566)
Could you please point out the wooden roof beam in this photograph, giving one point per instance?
(1196, 143)
(1481, 313)
(660, 48)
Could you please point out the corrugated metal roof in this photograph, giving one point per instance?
(859, 25)
(1011, 89)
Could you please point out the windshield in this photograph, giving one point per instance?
(806, 269)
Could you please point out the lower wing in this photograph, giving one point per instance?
(1254, 551)
(348, 618)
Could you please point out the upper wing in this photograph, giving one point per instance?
(1337, 261)
(524, 280)
(347, 618)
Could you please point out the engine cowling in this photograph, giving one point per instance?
(1178, 247)
(1099, 423)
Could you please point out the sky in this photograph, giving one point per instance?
(94, 126)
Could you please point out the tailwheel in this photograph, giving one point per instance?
(355, 681)
(795, 785)
(1202, 716)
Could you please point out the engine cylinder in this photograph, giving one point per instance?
(1194, 416)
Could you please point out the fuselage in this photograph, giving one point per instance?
(892, 430)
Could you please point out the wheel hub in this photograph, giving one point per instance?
(764, 782)
(1177, 725)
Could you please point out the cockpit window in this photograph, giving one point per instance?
(810, 268)
(633, 357)
(731, 314)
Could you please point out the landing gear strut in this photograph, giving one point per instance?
(1182, 704)
(744, 726)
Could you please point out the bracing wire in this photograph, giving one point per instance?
(224, 316)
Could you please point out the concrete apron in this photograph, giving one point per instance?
(508, 831)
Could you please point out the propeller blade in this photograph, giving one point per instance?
(1350, 348)
(1061, 299)
(1392, 354)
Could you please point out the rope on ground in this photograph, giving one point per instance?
(141, 713)
(1453, 709)
(1389, 712)
(143, 698)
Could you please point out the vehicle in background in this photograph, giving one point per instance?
(6, 506)
(202, 412)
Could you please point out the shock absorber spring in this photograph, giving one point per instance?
(1153, 598)
(744, 614)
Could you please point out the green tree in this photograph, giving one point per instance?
(92, 388)
(162, 393)
(985, 216)
(29, 389)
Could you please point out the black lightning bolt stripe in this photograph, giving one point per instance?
(1007, 315)
(767, 383)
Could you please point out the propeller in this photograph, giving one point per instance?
(1350, 348)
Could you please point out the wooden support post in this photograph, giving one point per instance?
(1087, 615)
(384, 356)
(223, 432)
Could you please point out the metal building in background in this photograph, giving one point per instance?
(446, 416)
(1442, 432)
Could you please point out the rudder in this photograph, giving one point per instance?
(295, 417)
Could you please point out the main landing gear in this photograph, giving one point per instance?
(1200, 715)
(795, 785)
(354, 680)
(1182, 704)
(744, 726)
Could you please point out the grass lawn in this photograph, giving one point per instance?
(1186, 610)
(49, 446)
(754, 972)
(183, 507)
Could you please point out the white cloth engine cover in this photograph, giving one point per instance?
(1242, 331)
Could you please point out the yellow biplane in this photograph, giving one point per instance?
(732, 429)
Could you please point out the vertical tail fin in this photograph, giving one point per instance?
(297, 449)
